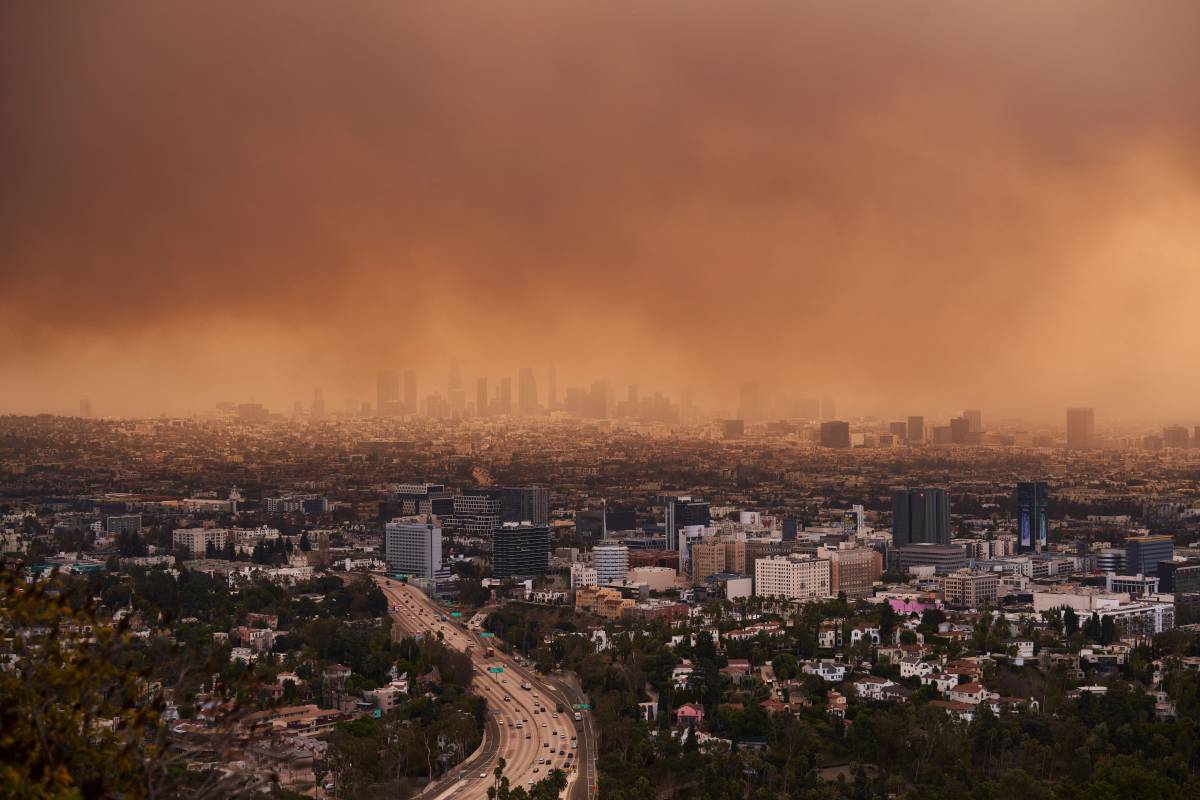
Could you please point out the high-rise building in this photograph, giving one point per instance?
(522, 503)
(899, 430)
(410, 392)
(1081, 428)
(387, 394)
(1179, 577)
(505, 403)
(526, 392)
(123, 523)
(611, 562)
(921, 516)
(683, 512)
(836, 434)
(481, 397)
(750, 403)
(477, 515)
(966, 589)
(1143, 553)
(551, 388)
(317, 412)
(413, 546)
(793, 577)
(974, 420)
(1175, 436)
(520, 550)
(733, 428)
(1033, 524)
(916, 430)
(853, 571)
(789, 529)
(960, 429)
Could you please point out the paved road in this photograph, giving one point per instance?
(543, 732)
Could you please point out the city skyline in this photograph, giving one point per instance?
(720, 204)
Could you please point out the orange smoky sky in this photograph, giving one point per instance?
(911, 206)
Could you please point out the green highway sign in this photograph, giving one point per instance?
(486, 635)
(581, 707)
(496, 669)
(456, 614)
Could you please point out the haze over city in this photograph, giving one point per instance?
(915, 208)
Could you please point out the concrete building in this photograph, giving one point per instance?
(583, 575)
(197, 540)
(853, 571)
(1180, 577)
(520, 550)
(835, 434)
(1081, 428)
(658, 579)
(611, 562)
(717, 555)
(1143, 553)
(943, 558)
(793, 577)
(921, 516)
(413, 546)
(968, 589)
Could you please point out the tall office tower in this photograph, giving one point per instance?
(828, 408)
(631, 396)
(853, 571)
(318, 405)
(750, 403)
(456, 396)
(1032, 521)
(520, 550)
(1081, 428)
(477, 514)
(413, 546)
(1175, 436)
(899, 430)
(521, 503)
(599, 402)
(411, 499)
(410, 392)
(682, 512)
(526, 392)
(611, 562)
(85, 408)
(1142, 553)
(974, 420)
(960, 430)
(789, 529)
(505, 405)
(481, 397)
(916, 430)
(921, 516)
(387, 394)
(836, 434)
(551, 388)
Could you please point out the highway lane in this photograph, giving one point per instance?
(543, 733)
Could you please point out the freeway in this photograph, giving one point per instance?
(524, 726)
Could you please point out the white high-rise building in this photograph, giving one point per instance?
(413, 546)
(612, 562)
(793, 577)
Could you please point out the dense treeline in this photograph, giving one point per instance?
(1110, 746)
